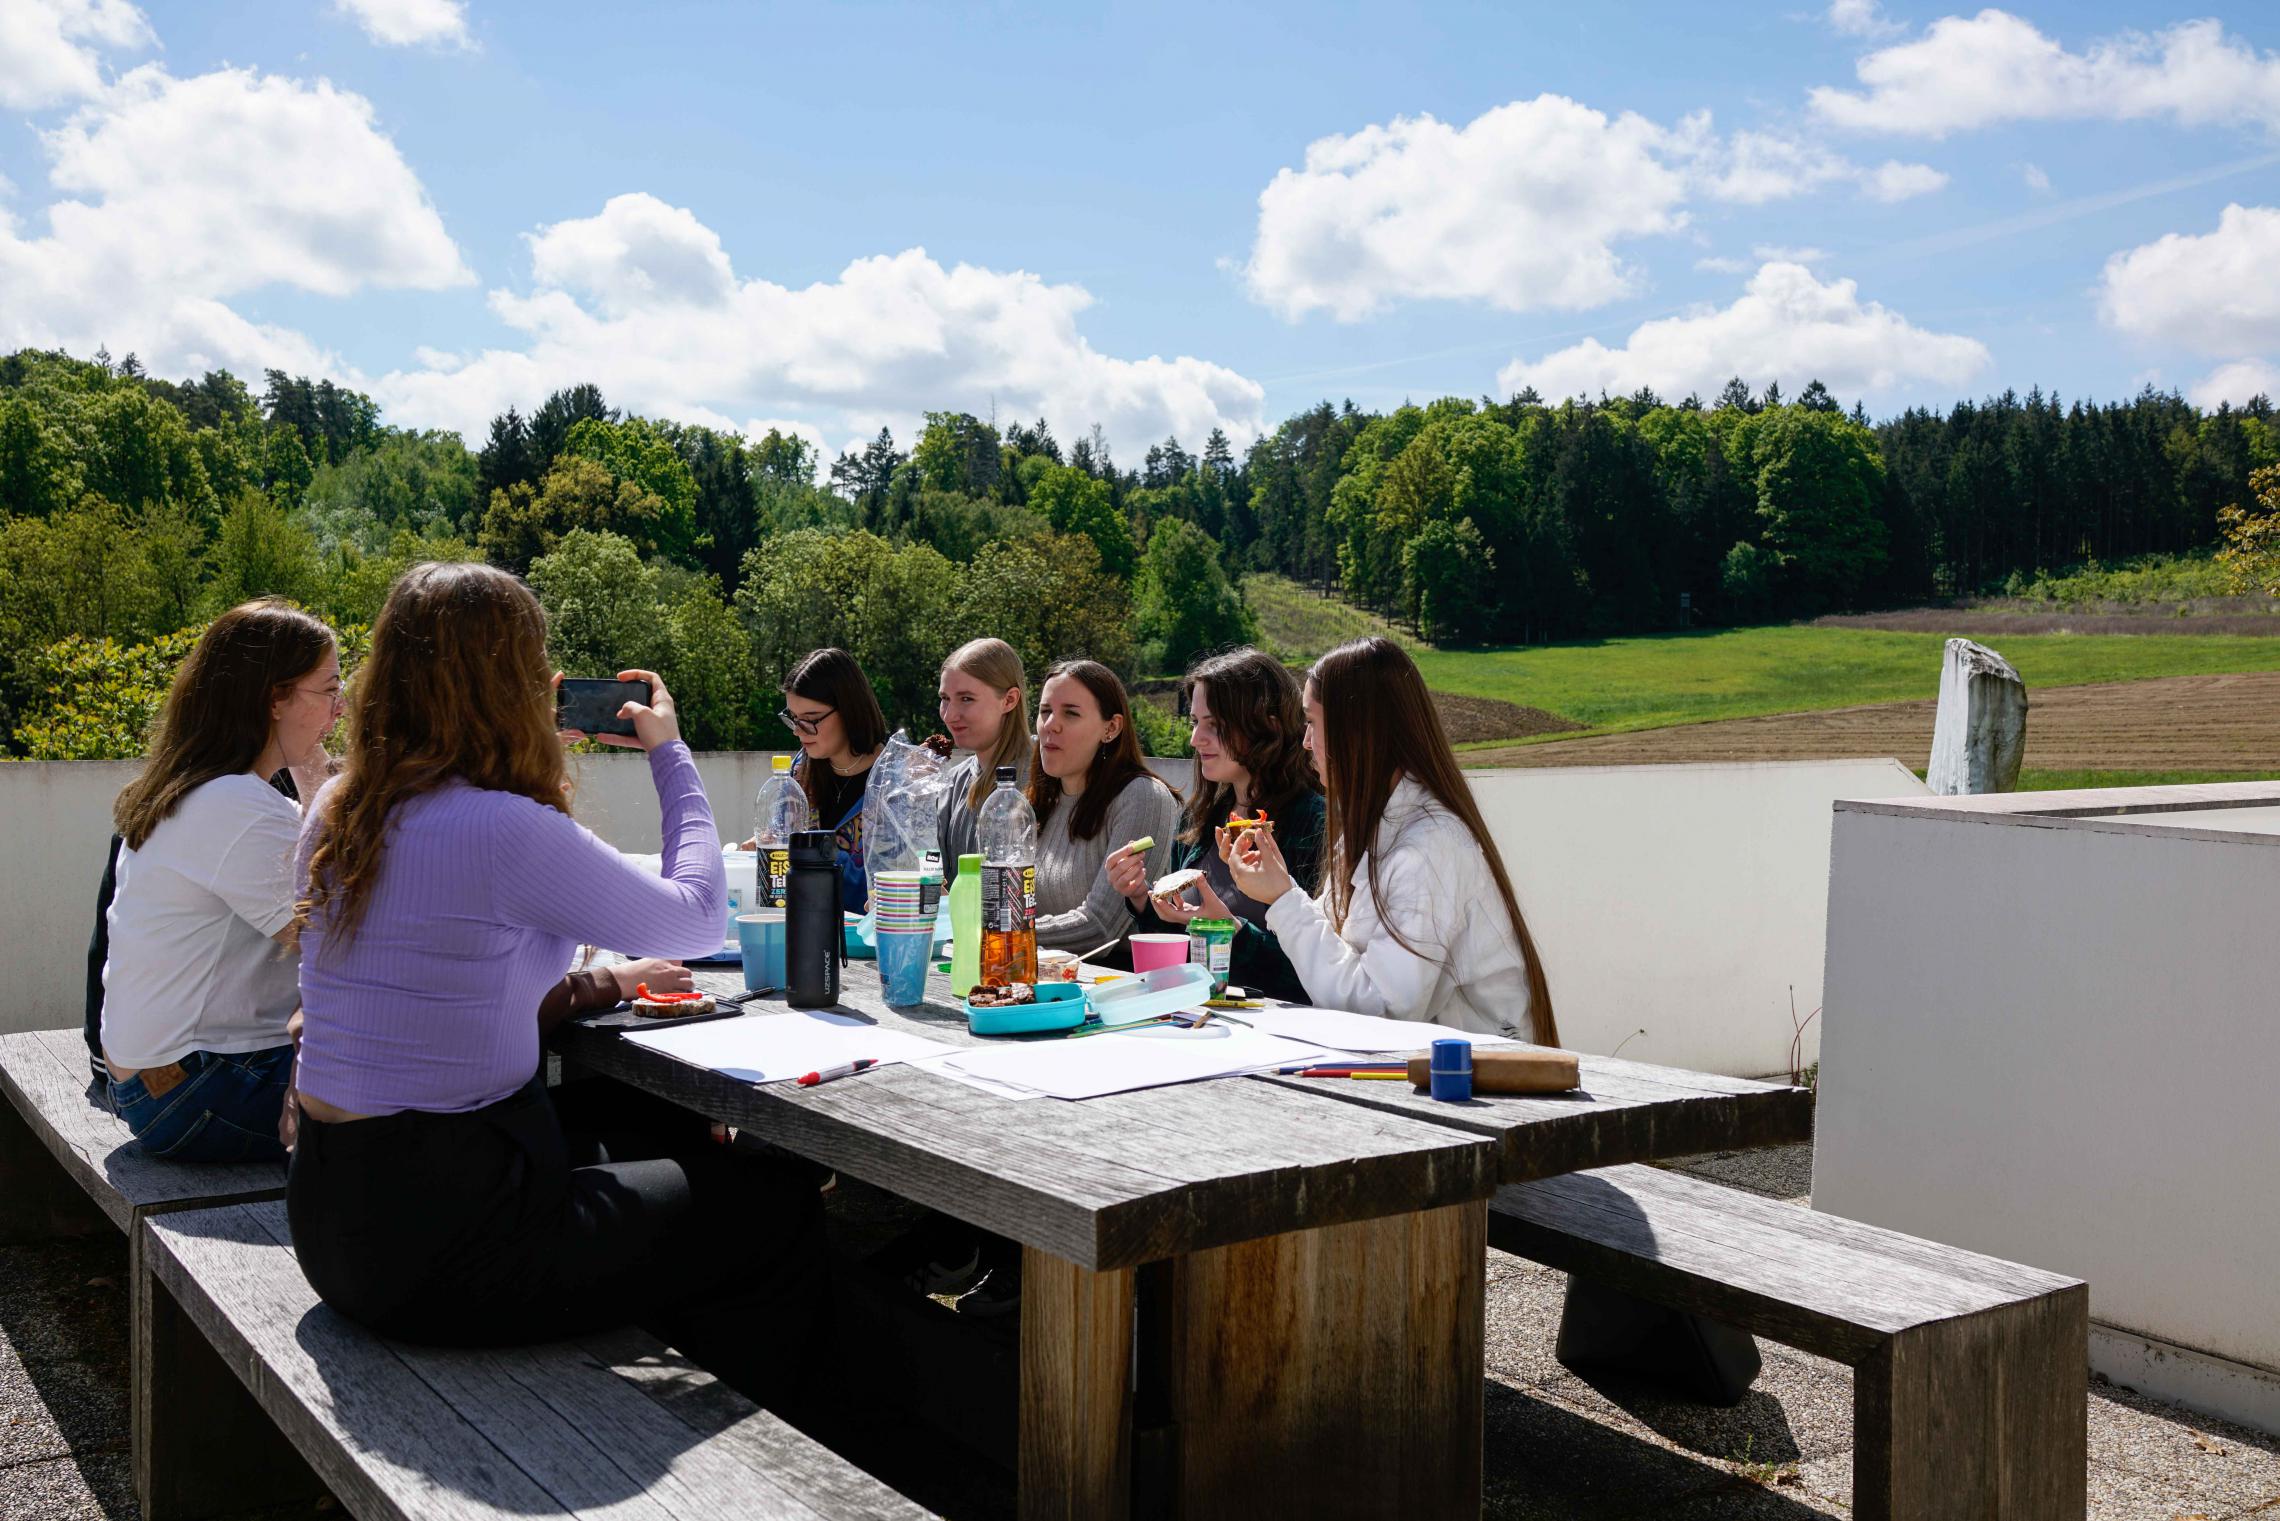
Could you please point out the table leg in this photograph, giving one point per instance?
(1076, 1390)
(1333, 1372)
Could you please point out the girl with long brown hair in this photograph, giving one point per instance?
(833, 713)
(1415, 918)
(201, 979)
(435, 1194)
(1094, 796)
(1249, 736)
(984, 708)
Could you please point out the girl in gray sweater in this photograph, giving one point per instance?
(1094, 796)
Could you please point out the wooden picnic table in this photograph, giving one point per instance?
(1315, 1256)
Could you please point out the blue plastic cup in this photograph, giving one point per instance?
(761, 937)
(903, 958)
(1451, 1071)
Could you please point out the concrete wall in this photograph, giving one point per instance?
(1684, 900)
(2051, 1038)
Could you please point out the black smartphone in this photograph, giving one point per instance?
(590, 704)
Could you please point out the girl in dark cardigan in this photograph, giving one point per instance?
(1249, 740)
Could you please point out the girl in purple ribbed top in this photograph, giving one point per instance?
(436, 1193)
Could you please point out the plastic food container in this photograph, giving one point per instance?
(1059, 1006)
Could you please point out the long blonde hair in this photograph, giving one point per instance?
(993, 663)
(457, 687)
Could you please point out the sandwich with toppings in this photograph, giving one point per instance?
(669, 1005)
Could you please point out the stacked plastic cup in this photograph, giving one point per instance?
(903, 906)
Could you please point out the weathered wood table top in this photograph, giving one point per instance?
(1137, 1177)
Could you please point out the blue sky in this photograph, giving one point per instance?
(484, 199)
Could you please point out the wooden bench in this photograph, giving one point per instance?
(1971, 1377)
(68, 1165)
(613, 1422)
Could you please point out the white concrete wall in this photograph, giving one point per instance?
(1682, 900)
(1679, 899)
(2052, 1039)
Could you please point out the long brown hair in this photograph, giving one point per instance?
(216, 719)
(831, 676)
(1378, 725)
(456, 687)
(1113, 765)
(994, 664)
(1254, 701)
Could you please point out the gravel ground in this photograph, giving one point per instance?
(1557, 1445)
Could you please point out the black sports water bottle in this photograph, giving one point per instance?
(814, 942)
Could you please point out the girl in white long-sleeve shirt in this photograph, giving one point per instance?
(1416, 918)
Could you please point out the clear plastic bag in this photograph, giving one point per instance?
(901, 806)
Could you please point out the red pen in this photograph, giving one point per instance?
(847, 1069)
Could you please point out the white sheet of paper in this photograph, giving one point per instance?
(1370, 1033)
(776, 1048)
(1101, 1064)
(940, 1067)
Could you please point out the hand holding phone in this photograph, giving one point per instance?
(589, 705)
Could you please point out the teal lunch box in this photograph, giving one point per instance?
(1059, 1006)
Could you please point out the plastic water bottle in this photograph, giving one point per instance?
(1007, 833)
(780, 812)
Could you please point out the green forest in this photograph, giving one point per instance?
(132, 509)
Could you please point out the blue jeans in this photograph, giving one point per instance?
(225, 1108)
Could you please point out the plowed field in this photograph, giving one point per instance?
(2171, 723)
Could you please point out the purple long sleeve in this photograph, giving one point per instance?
(480, 900)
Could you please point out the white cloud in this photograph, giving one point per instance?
(1724, 265)
(50, 50)
(1994, 67)
(1751, 168)
(1893, 181)
(2236, 382)
(1788, 326)
(641, 300)
(1525, 207)
(1862, 18)
(2214, 294)
(2036, 179)
(1522, 208)
(410, 23)
(1775, 253)
(159, 220)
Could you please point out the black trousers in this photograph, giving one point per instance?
(513, 1224)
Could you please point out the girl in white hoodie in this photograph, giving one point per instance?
(1415, 918)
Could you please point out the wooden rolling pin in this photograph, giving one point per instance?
(1511, 1069)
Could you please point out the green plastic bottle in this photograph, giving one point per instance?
(966, 926)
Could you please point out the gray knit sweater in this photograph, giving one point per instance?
(1076, 908)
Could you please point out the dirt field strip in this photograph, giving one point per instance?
(2172, 723)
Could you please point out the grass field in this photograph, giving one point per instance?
(1616, 685)
(1296, 623)
(2067, 781)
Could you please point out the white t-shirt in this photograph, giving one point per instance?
(194, 965)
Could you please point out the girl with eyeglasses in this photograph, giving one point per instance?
(831, 710)
(202, 976)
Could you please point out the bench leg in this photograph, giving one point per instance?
(1986, 1415)
(38, 1199)
(202, 1446)
(1333, 1372)
(1076, 1390)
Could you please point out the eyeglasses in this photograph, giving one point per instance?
(807, 726)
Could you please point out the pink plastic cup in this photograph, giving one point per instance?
(1152, 951)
